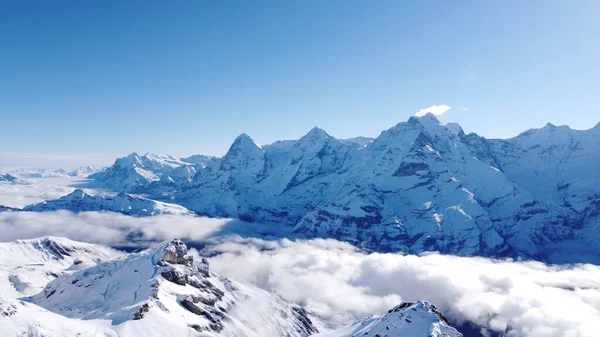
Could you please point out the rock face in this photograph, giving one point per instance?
(409, 319)
(79, 201)
(419, 186)
(167, 287)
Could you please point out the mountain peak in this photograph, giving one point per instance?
(407, 319)
(318, 132)
(314, 135)
(78, 193)
(426, 118)
(243, 140)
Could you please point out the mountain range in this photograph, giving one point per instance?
(79, 201)
(55, 173)
(419, 186)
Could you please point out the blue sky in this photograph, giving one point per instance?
(84, 82)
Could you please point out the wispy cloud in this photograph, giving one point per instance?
(437, 110)
(463, 108)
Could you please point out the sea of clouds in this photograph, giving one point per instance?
(335, 281)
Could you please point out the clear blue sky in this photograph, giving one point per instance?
(99, 79)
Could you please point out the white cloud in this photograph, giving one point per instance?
(463, 108)
(337, 283)
(105, 227)
(37, 190)
(437, 110)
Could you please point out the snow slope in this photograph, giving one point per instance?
(26, 266)
(79, 201)
(418, 319)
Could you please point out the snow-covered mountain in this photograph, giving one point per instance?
(79, 201)
(419, 186)
(150, 173)
(410, 319)
(9, 178)
(167, 292)
(83, 172)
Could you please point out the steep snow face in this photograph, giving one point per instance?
(79, 201)
(26, 266)
(149, 172)
(418, 319)
(166, 291)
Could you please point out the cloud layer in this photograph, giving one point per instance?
(337, 282)
(105, 227)
(38, 190)
(437, 110)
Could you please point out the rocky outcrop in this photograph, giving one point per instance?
(407, 319)
(168, 282)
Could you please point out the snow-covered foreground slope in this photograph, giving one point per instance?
(409, 319)
(26, 266)
(19, 318)
(79, 201)
(166, 292)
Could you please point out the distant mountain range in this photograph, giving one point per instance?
(419, 186)
(79, 201)
(54, 173)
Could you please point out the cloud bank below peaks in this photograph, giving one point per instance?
(338, 283)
